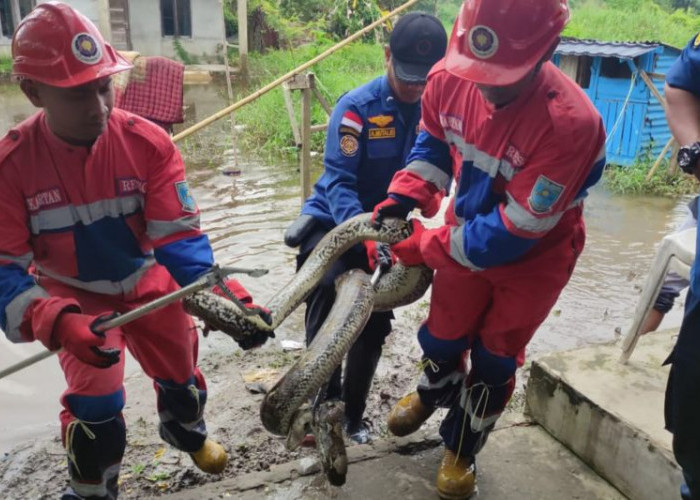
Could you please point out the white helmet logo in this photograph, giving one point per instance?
(483, 42)
(86, 49)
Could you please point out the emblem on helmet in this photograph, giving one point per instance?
(483, 42)
(86, 49)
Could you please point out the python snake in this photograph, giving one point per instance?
(355, 300)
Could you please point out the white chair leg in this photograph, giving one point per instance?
(652, 286)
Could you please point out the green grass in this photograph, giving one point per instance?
(268, 130)
(631, 20)
(5, 65)
(632, 180)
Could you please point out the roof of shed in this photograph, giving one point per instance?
(596, 48)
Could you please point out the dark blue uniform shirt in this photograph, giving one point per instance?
(368, 141)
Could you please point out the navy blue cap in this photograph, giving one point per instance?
(417, 42)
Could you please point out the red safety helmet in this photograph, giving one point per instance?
(59, 46)
(496, 42)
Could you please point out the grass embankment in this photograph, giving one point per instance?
(267, 126)
(633, 180)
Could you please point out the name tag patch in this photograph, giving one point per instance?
(382, 133)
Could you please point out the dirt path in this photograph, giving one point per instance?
(38, 469)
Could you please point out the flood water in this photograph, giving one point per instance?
(245, 216)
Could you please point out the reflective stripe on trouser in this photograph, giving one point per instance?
(164, 343)
(362, 359)
(494, 313)
(181, 409)
(95, 452)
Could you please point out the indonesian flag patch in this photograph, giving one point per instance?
(353, 121)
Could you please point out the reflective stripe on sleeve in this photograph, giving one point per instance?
(160, 229)
(14, 311)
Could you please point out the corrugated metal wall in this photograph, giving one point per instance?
(634, 119)
(656, 133)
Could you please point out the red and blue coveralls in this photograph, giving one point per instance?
(96, 230)
(682, 399)
(512, 233)
(370, 135)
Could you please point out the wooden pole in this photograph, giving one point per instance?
(229, 89)
(220, 114)
(658, 161)
(242, 7)
(652, 87)
(305, 163)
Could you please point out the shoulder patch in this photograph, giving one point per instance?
(544, 195)
(185, 197)
(347, 130)
(352, 120)
(349, 145)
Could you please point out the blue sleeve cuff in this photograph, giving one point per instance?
(187, 259)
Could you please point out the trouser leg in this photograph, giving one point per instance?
(95, 452)
(484, 396)
(165, 343)
(92, 427)
(682, 401)
(361, 365)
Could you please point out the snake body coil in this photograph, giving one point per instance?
(355, 301)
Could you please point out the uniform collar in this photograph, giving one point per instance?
(387, 95)
(58, 144)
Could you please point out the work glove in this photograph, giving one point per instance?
(408, 250)
(379, 254)
(257, 339)
(394, 206)
(76, 334)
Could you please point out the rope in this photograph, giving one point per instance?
(633, 79)
(70, 434)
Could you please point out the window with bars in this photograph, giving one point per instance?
(176, 18)
(11, 12)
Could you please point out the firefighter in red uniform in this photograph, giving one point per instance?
(523, 144)
(97, 217)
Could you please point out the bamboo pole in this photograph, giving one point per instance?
(220, 114)
(660, 159)
(306, 140)
(652, 87)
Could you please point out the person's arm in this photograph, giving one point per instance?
(171, 213)
(343, 153)
(683, 114)
(557, 175)
(682, 92)
(428, 170)
(27, 311)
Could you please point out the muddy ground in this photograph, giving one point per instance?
(234, 377)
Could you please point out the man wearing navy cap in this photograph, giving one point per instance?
(371, 131)
(682, 402)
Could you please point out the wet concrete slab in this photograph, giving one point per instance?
(521, 461)
(611, 414)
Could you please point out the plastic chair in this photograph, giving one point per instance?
(675, 253)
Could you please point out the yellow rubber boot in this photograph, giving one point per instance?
(211, 457)
(408, 415)
(456, 478)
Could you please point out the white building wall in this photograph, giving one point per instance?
(207, 29)
(145, 26)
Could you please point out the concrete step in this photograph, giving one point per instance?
(520, 462)
(610, 414)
